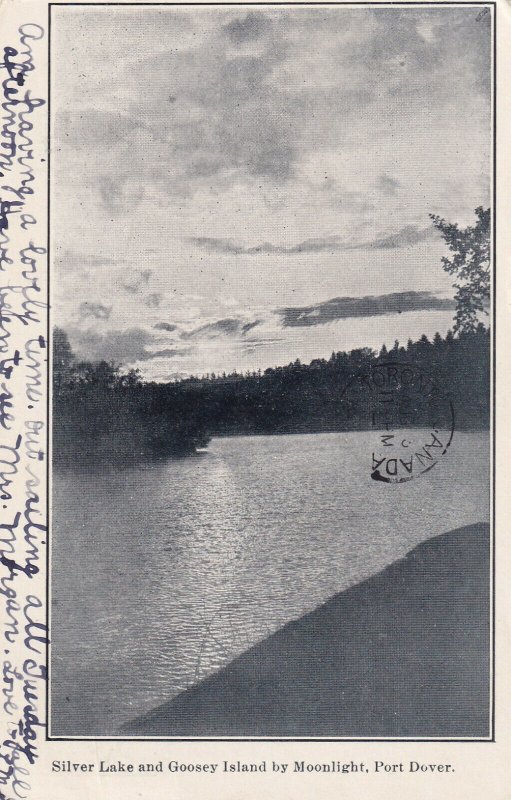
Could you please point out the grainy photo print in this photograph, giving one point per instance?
(271, 318)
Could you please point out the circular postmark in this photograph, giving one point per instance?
(410, 416)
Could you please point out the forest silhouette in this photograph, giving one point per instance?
(102, 415)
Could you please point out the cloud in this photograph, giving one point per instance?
(231, 327)
(249, 325)
(213, 112)
(264, 341)
(165, 326)
(167, 352)
(405, 237)
(370, 306)
(119, 192)
(226, 120)
(75, 262)
(236, 96)
(96, 310)
(252, 26)
(387, 185)
(137, 280)
(101, 126)
(212, 330)
(121, 347)
(228, 246)
(154, 299)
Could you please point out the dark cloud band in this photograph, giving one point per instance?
(405, 237)
(370, 306)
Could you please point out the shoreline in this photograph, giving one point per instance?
(91, 464)
(368, 429)
(404, 653)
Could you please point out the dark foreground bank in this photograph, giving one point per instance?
(403, 654)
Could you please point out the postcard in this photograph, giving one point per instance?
(253, 400)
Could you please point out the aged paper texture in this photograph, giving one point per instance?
(254, 326)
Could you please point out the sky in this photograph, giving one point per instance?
(236, 188)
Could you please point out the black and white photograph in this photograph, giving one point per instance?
(272, 344)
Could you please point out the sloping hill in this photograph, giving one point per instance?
(403, 654)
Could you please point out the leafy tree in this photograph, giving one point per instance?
(471, 265)
(100, 374)
(131, 379)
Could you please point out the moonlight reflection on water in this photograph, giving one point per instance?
(164, 573)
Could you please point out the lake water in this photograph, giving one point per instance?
(163, 573)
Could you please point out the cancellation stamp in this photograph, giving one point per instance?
(411, 417)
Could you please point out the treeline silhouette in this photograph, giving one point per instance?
(102, 415)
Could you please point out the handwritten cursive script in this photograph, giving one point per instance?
(23, 422)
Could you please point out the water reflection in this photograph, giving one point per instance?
(165, 572)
